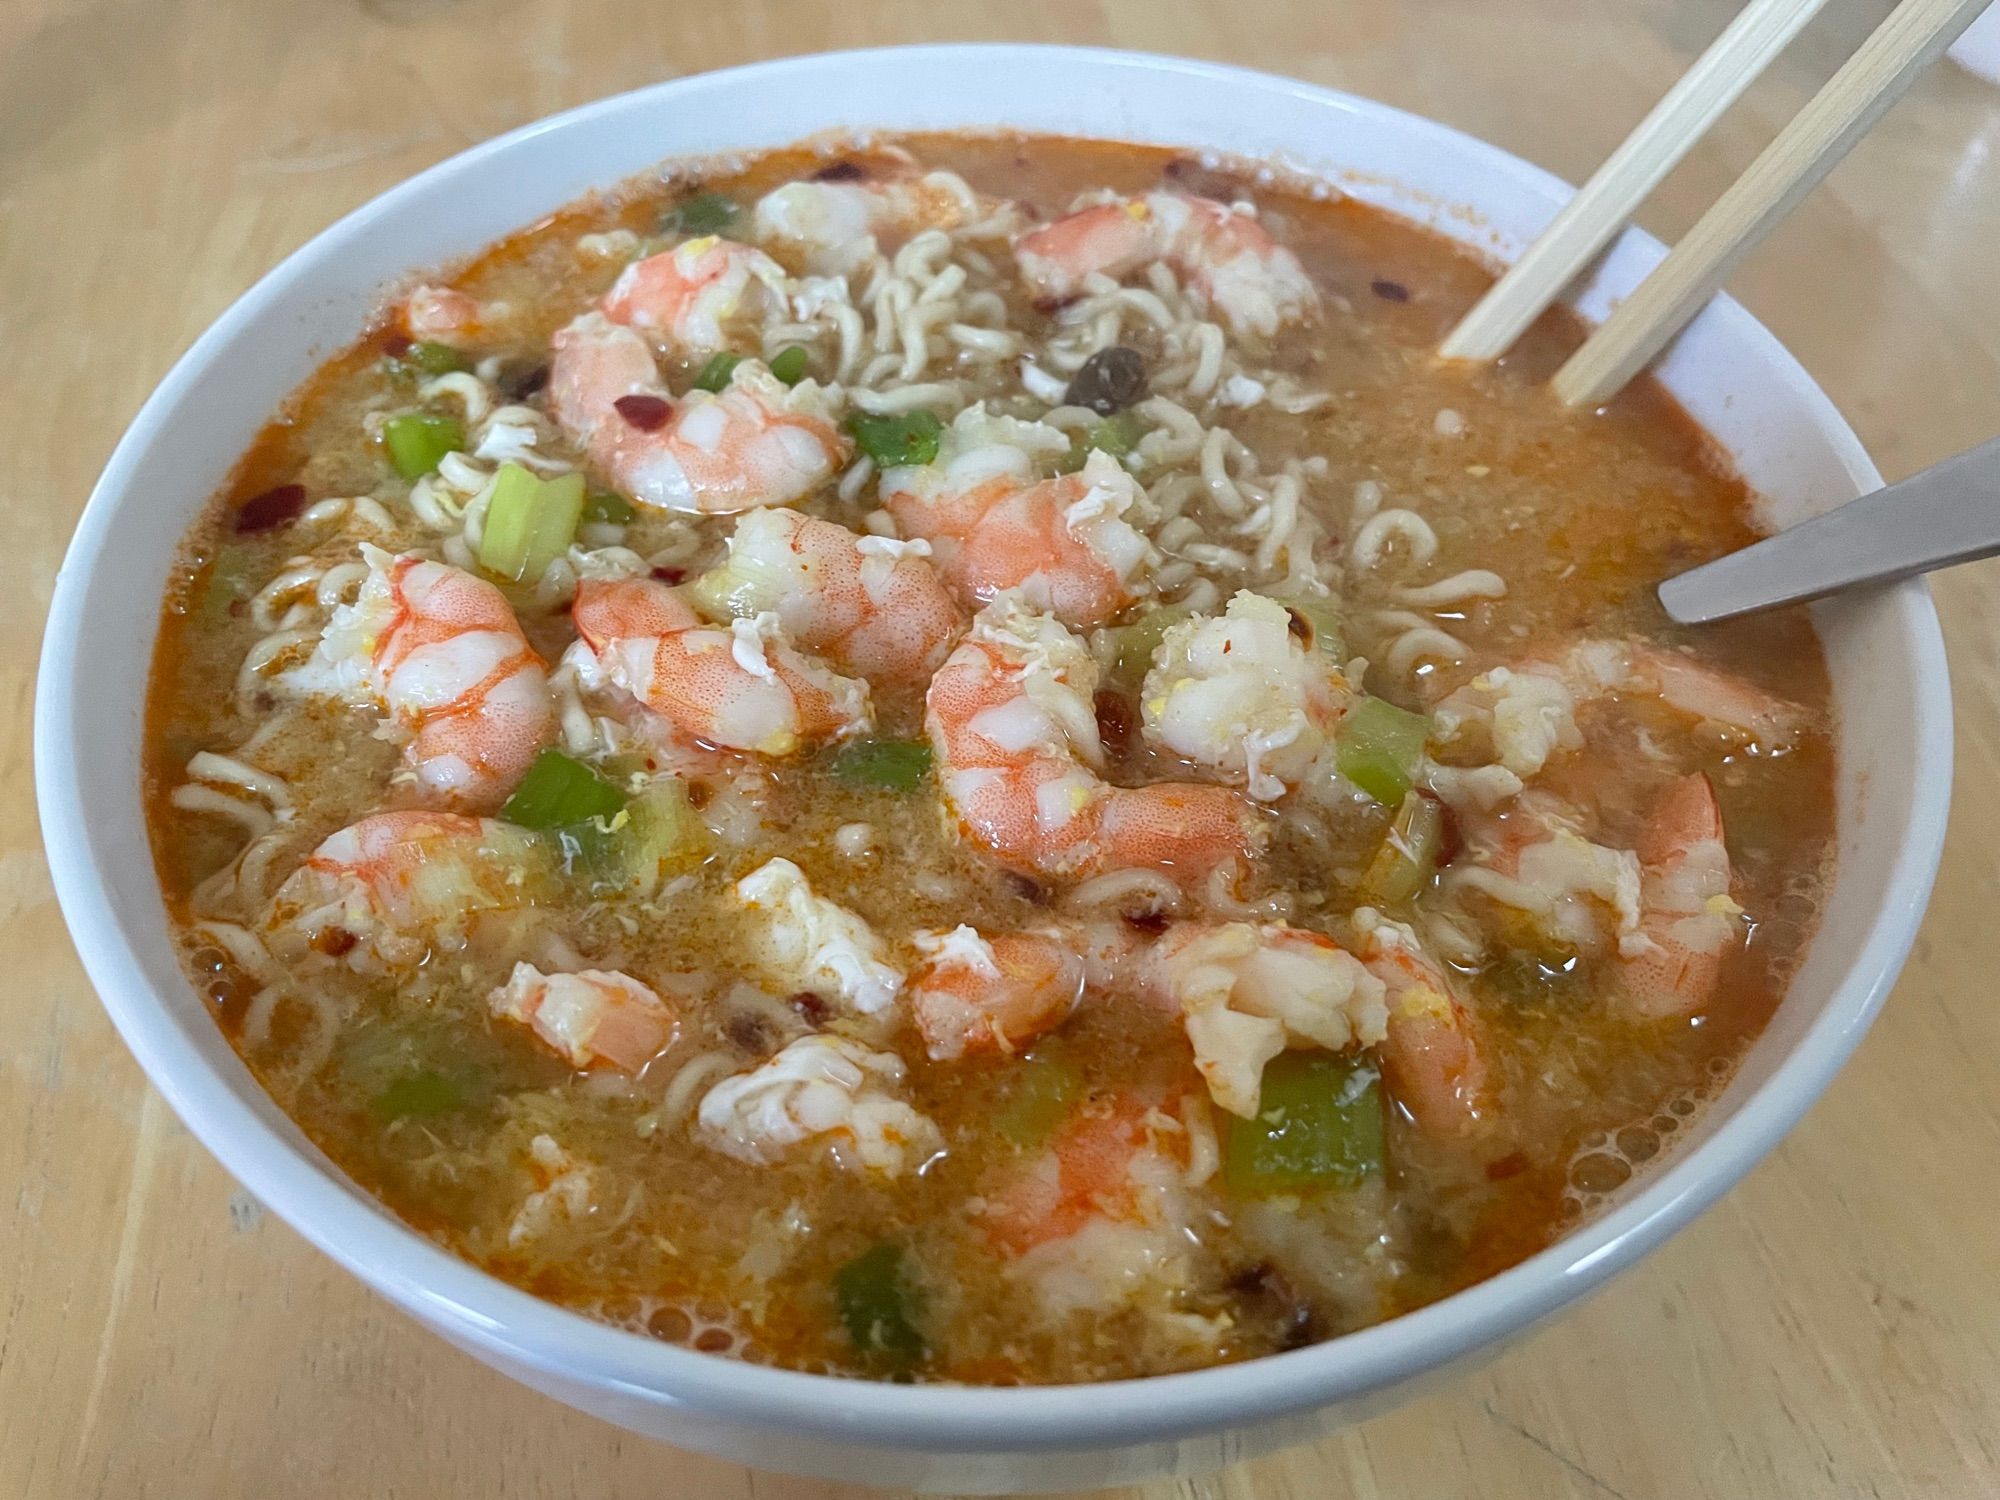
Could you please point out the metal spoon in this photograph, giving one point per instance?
(1947, 514)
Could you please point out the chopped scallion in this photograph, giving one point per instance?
(893, 439)
(656, 834)
(603, 506)
(790, 364)
(428, 357)
(705, 213)
(1044, 1084)
(883, 765)
(417, 440)
(1319, 1124)
(716, 374)
(878, 1306)
(559, 791)
(423, 1095)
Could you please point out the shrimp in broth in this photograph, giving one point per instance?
(960, 760)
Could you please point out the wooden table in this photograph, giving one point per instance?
(1832, 1329)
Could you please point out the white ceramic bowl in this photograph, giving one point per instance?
(1884, 649)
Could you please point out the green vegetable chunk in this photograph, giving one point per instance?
(605, 506)
(790, 364)
(704, 213)
(716, 374)
(1117, 434)
(1379, 748)
(422, 1095)
(416, 440)
(559, 791)
(228, 582)
(1320, 1125)
(1045, 1083)
(884, 765)
(1319, 624)
(530, 522)
(428, 357)
(878, 1306)
(896, 438)
(1136, 642)
(1408, 855)
(657, 834)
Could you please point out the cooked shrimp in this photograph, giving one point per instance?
(836, 226)
(693, 296)
(757, 442)
(1222, 251)
(822, 1086)
(1526, 715)
(563, 1194)
(1011, 717)
(873, 606)
(975, 994)
(442, 652)
(1246, 992)
(1243, 694)
(1098, 1221)
(807, 942)
(441, 313)
(1544, 887)
(1431, 1054)
(389, 892)
(1686, 918)
(738, 688)
(590, 1016)
(1085, 1174)
(1060, 544)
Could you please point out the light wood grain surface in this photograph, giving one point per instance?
(1832, 1329)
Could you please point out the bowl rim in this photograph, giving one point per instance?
(348, 1225)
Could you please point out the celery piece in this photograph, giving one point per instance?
(879, 1307)
(417, 440)
(1319, 1125)
(1408, 855)
(530, 522)
(893, 439)
(716, 374)
(883, 765)
(790, 364)
(1380, 747)
(558, 791)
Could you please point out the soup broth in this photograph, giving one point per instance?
(960, 759)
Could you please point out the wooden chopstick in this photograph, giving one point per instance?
(1656, 145)
(1884, 66)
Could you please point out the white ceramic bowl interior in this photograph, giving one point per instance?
(1884, 650)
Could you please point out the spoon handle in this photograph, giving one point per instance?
(1948, 513)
